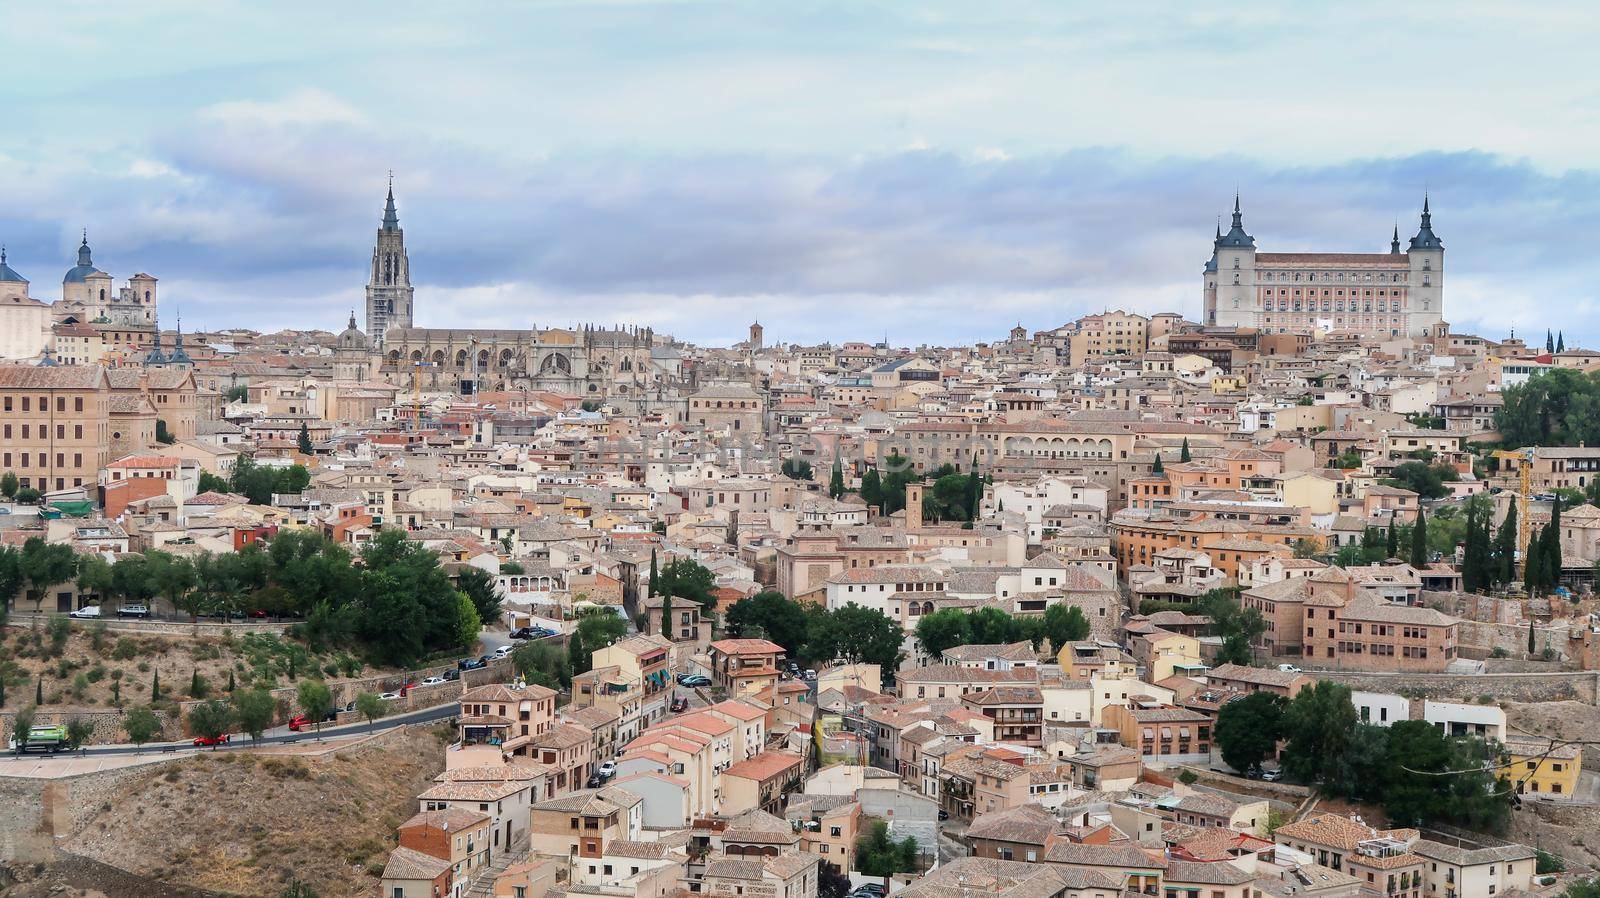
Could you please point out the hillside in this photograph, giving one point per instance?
(248, 824)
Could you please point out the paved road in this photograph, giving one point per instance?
(275, 736)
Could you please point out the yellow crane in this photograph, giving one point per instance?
(1524, 461)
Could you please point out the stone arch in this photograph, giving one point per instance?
(483, 359)
(461, 358)
(555, 363)
(438, 358)
(506, 357)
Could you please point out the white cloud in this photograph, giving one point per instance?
(306, 106)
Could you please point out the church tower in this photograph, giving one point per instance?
(389, 288)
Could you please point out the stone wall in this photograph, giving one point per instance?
(1519, 687)
(108, 723)
(135, 626)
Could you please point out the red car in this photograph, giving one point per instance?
(211, 740)
(299, 722)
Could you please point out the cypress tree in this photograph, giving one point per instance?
(1552, 547)
(1533, 563)
(1471, 562)
(1530, 637)
(1561, 342)
(1183, 453)
(653, 572)
(1419, 540)
(1393, 545)
(305, 440)
(1158, 468)
(38, 691)
(836, 482)
(1549, 341)
(155, 687)
(230, 681)
(1505, 551)
(3, 691)
(974, 491)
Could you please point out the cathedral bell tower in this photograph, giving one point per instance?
(389, 291)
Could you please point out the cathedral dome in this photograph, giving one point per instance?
(352, 337)
(85, 267)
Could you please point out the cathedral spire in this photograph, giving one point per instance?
(1394, 243)
(1425, 238)
(391, 220)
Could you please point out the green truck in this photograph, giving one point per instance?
(43, 738)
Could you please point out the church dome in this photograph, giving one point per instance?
(352, 337)
(85, 267)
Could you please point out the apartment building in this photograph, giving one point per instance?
(1456, 872)
(458, 837)
(745, 666)
(501, 719)
(1162, 732)
(1381, 860)
(641, 664)
(57, 425)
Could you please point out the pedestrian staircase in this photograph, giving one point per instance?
(482, 885)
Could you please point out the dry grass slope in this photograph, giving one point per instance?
(249, 824)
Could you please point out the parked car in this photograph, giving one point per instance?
(1272, 776)
(433, 681)
(298, 723)
(211, 740)
(679, 703)
(521, 633)
(694, 681)
(594, 782)
(451, 674)
(502, 651)
(1288, 668)
(470, 664)
(88, 612)
(390, 696)
(944, 814)
(133, 611)
(608, 769)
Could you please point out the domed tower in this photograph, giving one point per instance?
(389, 290)
(87, 285)
(1426, 292)
(1235, 301)
(351, 354)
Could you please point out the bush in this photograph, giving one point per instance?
(1188, 777)
(1548, 863)
(125, 650)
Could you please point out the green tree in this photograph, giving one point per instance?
(1307, 547)
(796, 469)
(872, 488)
(155, 686)
(44, 565)
(141, 725)
(1419, 540)
(1505, 547)
(255, 709)
(1392, 541)
(211, 719)
(1318, 724)
(879, 855)
(314, 699)
(79, 731)
(21, 724)
(9, 485)
(867, 635)
(687, 579)
(578, 654)
(944, 629)
(897, 471)
(1238, 626)
(543, 662)
(1158, 467)
(468, 625)
(164, 434)
(304, 441)
(1248, 729)
(771, 615)
(1530, 638)
(1550, 545)
(1065, 623)
(836, 480)
(371, 706)
(481, 588)
(1183, 453)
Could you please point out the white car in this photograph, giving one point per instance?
(503, 651)
(1288, 668)
(433, 681)
(88, 612)
(390, 696)
(608, 769)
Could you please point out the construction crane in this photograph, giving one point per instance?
(1524, 460)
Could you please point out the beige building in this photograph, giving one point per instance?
(56, 431)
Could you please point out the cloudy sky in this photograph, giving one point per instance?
(933, 171)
